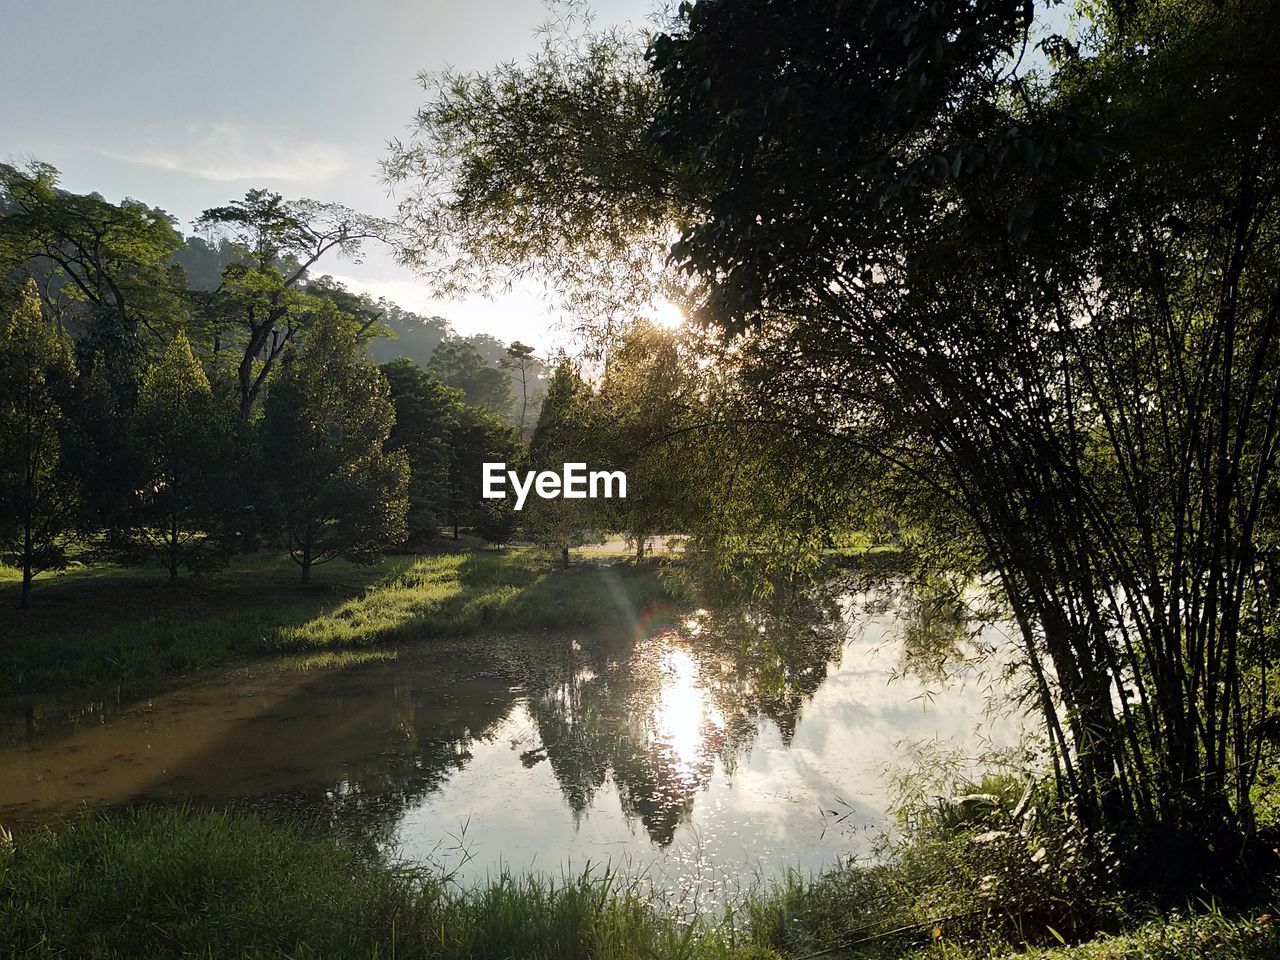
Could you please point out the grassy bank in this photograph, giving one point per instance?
(166, 884)
(110, 624)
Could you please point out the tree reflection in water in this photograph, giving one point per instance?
(652, 712)
(657, 710)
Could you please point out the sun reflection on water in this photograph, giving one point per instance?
(683, 712)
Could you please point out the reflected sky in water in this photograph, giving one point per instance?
(704, 751)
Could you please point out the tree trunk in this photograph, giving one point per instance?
(639, 550)
(25, 600)
(306, 557)
(173, 553)
(564, 558)
(27, 573)
(455, 528)
(524, 399)
(245, 378)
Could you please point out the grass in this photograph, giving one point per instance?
(1195, 937)
(460, 594)
(102, 624)
(165, 884)
(802, 928)
(169, 883)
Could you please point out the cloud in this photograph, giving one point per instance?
(232, 151)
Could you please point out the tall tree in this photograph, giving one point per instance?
(427, 413)
(261, 302)
(38, 492)
(337, 489)
(562, 435)
(520, 360)
(184, 442)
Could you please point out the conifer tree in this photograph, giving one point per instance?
(38, 495)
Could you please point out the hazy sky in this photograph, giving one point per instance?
(187, 105)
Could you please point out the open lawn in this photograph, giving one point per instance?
(109, 624)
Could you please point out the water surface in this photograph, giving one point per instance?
(704, 751)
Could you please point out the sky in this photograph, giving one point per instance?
(187, 105)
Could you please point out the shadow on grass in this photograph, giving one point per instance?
(110, 624)
(466, 594)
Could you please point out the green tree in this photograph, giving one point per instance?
(648, 397)
(427, 413)
(263, 303)
(408, 335)
(496, 522)
(562, 435)
(183, 441)
(106, 274)
(479, 437)
(107, 268)
(38, 492)
(458, 364)
(327, 418)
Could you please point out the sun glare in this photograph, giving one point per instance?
(683, 711)
(667, 314)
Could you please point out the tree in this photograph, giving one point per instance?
(562, 435)
(483, 177)
(1030, 296)
(458, 364)
(427, 413)
(325, 426)
(107, 266)
(205, 261)
(496, 522)
(262, 302)
(520, 361)
(183, 439)
(479, 437)
(647, 397)
(38, 493)
(408, 335)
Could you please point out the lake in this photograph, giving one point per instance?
(704, 751)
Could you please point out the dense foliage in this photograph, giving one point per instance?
(994, 280)
(181, 400)
(989, 281)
